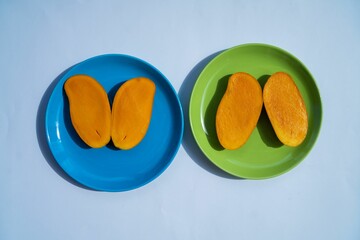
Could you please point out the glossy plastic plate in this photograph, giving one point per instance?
(263, 155)
(108, 168)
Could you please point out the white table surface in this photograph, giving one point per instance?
(319, 199)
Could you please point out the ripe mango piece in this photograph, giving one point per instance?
(238, 111)
(286, 109)
(89, 110)
(131, 112)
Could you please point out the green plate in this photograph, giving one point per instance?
(263, 155)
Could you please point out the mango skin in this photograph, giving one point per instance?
(90, 111)
(286, 109)
(238, 111)
(131, 112)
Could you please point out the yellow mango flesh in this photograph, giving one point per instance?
(238, 111)
(286, 109)
(131, 112)
(89, 110)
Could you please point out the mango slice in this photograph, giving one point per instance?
(131, 112)
(286, 109)
(89, 110)
(238, 111)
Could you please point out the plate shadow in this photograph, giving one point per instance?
(188, 142)
(41, 134)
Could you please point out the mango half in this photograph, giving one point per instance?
(131, 112)
(286, 109)
(238, 111)
(90, 111)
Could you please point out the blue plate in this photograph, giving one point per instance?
(109, 168)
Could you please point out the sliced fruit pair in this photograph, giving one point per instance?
(240, 108)
(95, 122)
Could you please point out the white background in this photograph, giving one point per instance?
(319, 199)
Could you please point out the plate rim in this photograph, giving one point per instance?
(245, 45)
(178, 106)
